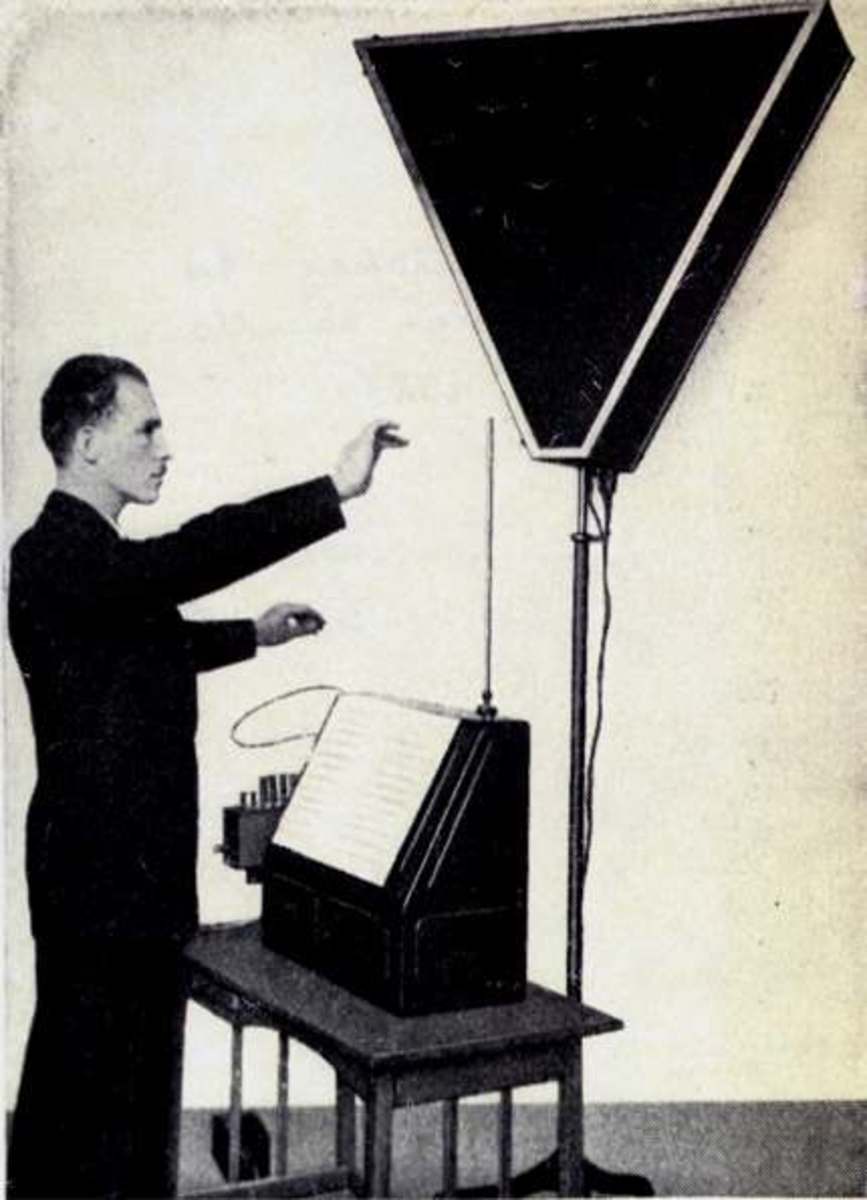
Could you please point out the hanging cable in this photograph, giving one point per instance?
(429, 706)
(290, 737)
(606, 482)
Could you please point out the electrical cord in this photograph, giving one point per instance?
(422, 705)
(607, 483)
(291, 737)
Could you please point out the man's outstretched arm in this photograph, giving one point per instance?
(217, 549)
(220, 643)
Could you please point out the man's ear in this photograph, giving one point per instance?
(85, 444)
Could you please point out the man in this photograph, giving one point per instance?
(110, 669)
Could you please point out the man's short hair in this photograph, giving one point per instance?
(81, 392)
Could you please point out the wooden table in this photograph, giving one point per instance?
(388, 1060)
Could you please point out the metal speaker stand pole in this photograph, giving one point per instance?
(578, 737)
(545, 1175)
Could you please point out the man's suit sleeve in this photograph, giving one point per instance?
(211, 551)
(216, 644)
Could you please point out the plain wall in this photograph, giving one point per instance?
(215, 195)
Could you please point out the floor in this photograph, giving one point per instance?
(768, 1149)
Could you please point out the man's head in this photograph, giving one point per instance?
(101, 424)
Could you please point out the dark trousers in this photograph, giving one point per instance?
(99, 1101)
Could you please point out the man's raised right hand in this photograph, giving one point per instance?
(354, 469)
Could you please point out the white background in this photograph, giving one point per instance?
(215, 195)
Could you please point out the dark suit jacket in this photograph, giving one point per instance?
(110, 668)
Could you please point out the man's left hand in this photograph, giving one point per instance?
(283, 622)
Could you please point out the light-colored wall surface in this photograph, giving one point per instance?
(215, 195)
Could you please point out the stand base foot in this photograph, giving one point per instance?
(598, 1181)
(544, 1176)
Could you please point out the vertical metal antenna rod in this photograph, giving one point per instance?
(486, 709)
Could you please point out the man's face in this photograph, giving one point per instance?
(131, 451)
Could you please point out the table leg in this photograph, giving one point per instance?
(505, 1141)
(450, 1146)
(571, 1127)
(377, 1138)
(345, 1136)
(281, 1152)
(235, 1093)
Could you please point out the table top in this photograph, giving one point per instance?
(267, 988)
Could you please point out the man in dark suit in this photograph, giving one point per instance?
(110, 669)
